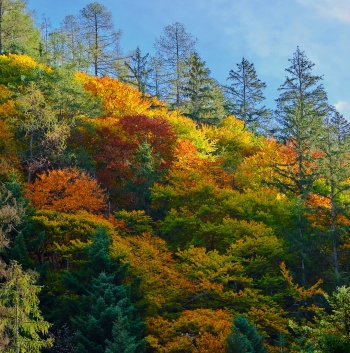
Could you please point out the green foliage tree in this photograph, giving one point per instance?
(204, 103)
(21, 323)
(18, 33)
(106, 317)
(245, 337)
(301, 110)
(245, 94)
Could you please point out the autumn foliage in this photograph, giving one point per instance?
(66, 190)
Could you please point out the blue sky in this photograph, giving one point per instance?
(265, 32)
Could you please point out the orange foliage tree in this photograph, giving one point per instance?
(66, 190)
(129, 154)
(201, 330)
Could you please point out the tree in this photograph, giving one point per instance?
(106, 318)
(100, 39)
(173, 49)
(203, 102)
(11, 213)
(245, 96)
(301, 110)
(245, 337)
(66, 190)
(140, 69)
(17, 31)
(43, 134)
(333, 183)
(21, 319)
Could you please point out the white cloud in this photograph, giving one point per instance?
(337, 9)
(343, 107)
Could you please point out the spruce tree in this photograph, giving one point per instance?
(105, 315)
(301, 110)
(244, 337)
(204, 100)
(245, 95)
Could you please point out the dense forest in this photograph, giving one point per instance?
(144, 207)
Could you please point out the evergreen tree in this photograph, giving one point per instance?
(245, 94)
(203, 100)
(173, 49)
(301, 110)
(244, 338)
(105, 316)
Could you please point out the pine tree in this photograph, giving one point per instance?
(245, 94)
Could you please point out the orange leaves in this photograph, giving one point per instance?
(118, 99)
(201, 330)
(66, 190)
(297, 291)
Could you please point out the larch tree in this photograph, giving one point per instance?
(21, 324)
(100, 39)
(139, 70)
(173, 49)
(245, 94)
(18, 33)
(301, 110)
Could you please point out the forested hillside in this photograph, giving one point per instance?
(144, 207)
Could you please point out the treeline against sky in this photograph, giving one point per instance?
(146, 208)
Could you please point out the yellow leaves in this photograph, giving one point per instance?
(150, 259)
(13, 67)
(118, 99)
(201, 330)
(299, 292)
(210, 270)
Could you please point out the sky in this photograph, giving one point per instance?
(265, 32)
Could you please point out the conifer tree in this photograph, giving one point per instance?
(139, 68)
(301, 110)
(335, 168)
(204, 103)
(244, 337)
(18, 34)
(106, 317)
(245, 94)
(100, 39)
